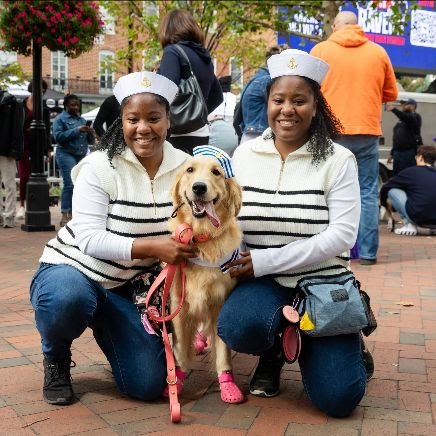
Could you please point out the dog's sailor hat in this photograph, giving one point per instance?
(145, 81)
(293, 62)
(220, 155)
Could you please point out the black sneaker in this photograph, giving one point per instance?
(266, 378)
(57, 382)
(368, 361)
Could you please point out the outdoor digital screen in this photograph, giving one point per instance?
(413, 52)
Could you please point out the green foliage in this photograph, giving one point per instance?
(57, 24)
(12, 74)
(232, 27)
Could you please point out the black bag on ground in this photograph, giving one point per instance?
(188, 110)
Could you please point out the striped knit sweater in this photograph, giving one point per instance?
(138, 208)
(284, 201)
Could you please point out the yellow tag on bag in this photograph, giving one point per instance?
(306, 323)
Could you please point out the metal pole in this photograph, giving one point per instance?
(37, 196)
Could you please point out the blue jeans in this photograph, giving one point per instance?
(223, 135)
(332, 369)
(398, 199)
(66, 161)
(365, 149)
(66, 302)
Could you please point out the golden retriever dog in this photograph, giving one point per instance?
(209, 202)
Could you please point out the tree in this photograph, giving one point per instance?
(233, 28)
(12, 74)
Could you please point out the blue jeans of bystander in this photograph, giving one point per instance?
(365, 149)
(398, 199)
(66, 302)
(332, 368)
(66, 161)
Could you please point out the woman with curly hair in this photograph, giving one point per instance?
(300, 217)
(121, 205)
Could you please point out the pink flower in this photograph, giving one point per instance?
(74, 40)
(39, 40)
(27, 34)
(66, 43)
(53, 30)
(59, 39)
(53, 19)
(48, 24)
(69, 15)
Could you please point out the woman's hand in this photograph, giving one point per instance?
(245, 271)
(165, 249)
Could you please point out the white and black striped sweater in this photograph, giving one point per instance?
(286, 201)
(138, 208)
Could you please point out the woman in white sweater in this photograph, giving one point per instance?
(299, 218)
(121, 205)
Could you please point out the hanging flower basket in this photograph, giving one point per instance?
(67, 26)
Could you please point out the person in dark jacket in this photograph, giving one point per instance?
(23, 165)
(179, 27)
(73, 136)
(412, 192)
(253, 101)
(11, 149)
(407, 135)
(109, 111)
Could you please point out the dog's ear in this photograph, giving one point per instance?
(235, 195)
(177, 200)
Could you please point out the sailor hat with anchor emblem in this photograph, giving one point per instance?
(293, 62)
(145, 81)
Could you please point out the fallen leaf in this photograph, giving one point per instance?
(405, 303)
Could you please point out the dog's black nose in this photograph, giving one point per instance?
(199, 188)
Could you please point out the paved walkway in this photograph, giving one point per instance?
(401, 398)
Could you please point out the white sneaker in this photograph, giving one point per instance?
(409, 230)
(21, 213)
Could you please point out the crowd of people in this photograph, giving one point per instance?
(306, 154)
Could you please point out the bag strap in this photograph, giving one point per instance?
(185, 56)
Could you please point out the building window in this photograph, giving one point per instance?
(7, 58)
(106, 72)
(236, 71)
(150, 8)
(59, 70)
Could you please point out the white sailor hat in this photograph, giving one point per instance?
(145, 81)
(293, 62)
(220, 155)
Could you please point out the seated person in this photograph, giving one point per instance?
(412, 192)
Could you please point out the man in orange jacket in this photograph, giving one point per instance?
(359, 80)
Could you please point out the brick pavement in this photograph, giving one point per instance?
(401, 398)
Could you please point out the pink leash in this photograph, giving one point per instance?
(183, 234)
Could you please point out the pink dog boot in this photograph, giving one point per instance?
(230, 393)
(180, 377)
(200, 342)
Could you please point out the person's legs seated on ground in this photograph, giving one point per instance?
(365, 149)
(66, 161)
(249, 323)
(398, 200)
(333, 373)
(66, 302)
(8, 169)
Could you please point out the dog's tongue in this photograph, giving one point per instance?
(211, 214)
